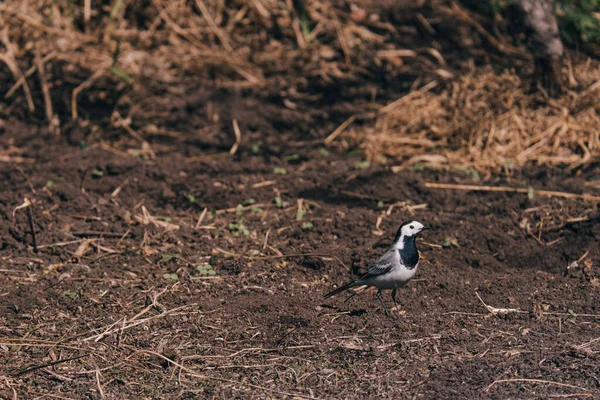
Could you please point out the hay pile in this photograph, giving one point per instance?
(146, 48)
(484, 120)
(124, 65)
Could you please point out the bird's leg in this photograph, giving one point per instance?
(382, 303)
(394, 296)
(395, 301)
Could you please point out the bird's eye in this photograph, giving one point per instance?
(412, 227)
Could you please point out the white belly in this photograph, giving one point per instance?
(396, 278)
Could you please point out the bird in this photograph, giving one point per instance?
(393, 269)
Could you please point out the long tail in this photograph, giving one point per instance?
(340, 289)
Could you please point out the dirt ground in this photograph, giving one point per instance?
(175, 239)
(118, 299)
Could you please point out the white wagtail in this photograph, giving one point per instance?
(395, 268)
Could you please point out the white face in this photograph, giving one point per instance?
(412, 229)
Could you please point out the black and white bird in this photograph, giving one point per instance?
(395, 268)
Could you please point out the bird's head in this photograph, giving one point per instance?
(409, 229)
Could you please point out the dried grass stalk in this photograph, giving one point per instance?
(484, 120)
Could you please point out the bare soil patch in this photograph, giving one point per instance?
(119, 299)
(171, 232)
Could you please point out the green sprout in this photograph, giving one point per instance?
(239, 228)
(206, 269)
(171, 277)
(278, 202)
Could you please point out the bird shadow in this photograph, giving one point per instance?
(357, 312)
(351, 313)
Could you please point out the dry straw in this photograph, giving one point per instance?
(487, 120)
(482, 119)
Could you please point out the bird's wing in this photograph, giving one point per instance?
(381, 266)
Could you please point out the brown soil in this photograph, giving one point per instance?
(259, 326)
(115, 283)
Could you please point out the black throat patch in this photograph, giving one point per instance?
(409, 254)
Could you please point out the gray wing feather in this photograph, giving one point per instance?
(382, 266)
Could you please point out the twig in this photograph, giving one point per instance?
(36, 367)
(100, 390)
(89, 82)
(391, 106)
(9, 59)
(201, 218)
(116, 192)
(263, 184)
(479, 188)
(213, 25)
(432, 337)
(499, 311)
(27, 205)
(111, 330)
(119, 122)
(340, 129)
(534, 381)
(27, 74)
(504, 48)
(53, 124)
(61, 244)
(98, 233)
(87, 14)
(238, 136)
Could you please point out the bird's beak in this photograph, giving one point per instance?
(426, 227)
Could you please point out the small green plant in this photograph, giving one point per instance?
(118, 72)
(68, 293)
(278, 202)
(97, 173)
(206, 269)
(279, 171)
(292, 157)
(239, 209)
(307, 225)
(530, 193)
(381, 159)
(171, 277)
(450, 242)
(573, 313)
(579, 19)
(323, 152)
(380, 204)
(49, 183)
(255, 148)
(191, 198)
(249, 202)
(417, 167)
(168, 257)
(238, 228)
(469, 172)
(363, 164)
